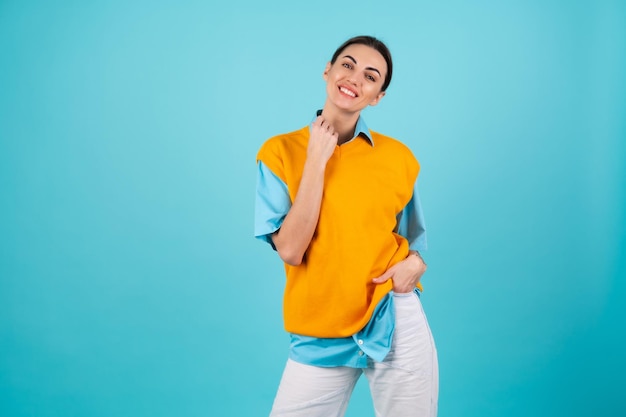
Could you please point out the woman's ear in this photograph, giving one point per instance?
(377, 99)
(325, 75)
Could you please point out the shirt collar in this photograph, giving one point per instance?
(361, 129)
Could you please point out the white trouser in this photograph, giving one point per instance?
(405, 384)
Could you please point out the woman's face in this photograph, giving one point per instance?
(355, 80)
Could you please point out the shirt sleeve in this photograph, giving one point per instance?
(272, 202)
(411, 223)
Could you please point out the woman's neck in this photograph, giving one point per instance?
(344, 123)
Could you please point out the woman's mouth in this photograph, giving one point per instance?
(347, 91)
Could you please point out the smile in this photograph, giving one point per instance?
(347, 91)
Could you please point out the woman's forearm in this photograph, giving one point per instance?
(295, 234)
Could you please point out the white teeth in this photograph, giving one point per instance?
(346, 91)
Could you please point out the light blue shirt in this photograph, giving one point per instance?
(374, 340)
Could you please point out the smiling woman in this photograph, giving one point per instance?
(353, 84)
(339, 204)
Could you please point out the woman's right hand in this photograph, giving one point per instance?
(322, 141)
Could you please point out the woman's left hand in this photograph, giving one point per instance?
(405, 274)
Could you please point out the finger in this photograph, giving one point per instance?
(318, 121)
(383, 278)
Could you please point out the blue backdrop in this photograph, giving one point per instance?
(131, 285)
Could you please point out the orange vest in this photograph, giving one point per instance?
(366, 186)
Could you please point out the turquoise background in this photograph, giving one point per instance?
(131, 285)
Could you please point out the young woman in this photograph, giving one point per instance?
(338, 202)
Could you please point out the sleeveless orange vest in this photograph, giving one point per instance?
(366, 186)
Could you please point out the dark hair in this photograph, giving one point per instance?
(372, 42)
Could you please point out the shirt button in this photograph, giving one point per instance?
(360, 353)
(360, 342)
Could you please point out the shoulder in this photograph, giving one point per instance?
(397, 153)
(391, 145)
(289, 138)
(283, 152)
(284, 142)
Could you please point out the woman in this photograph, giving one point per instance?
(338, 203)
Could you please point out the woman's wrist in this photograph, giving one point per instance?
(416, 253)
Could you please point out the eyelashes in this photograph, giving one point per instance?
(368, 77)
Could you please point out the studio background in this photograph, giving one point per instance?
(131, 284)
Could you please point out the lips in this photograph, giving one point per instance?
(347, 91)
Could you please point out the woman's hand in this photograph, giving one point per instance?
(322, 142)
(405, 274)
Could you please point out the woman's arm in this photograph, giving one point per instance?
(295, 234)
(408, 272)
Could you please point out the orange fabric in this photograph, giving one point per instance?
(331, 294)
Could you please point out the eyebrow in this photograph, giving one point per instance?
(367, 68)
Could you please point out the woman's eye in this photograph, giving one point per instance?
(370, 77)
(346, 65)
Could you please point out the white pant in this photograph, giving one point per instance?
(405, 384)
